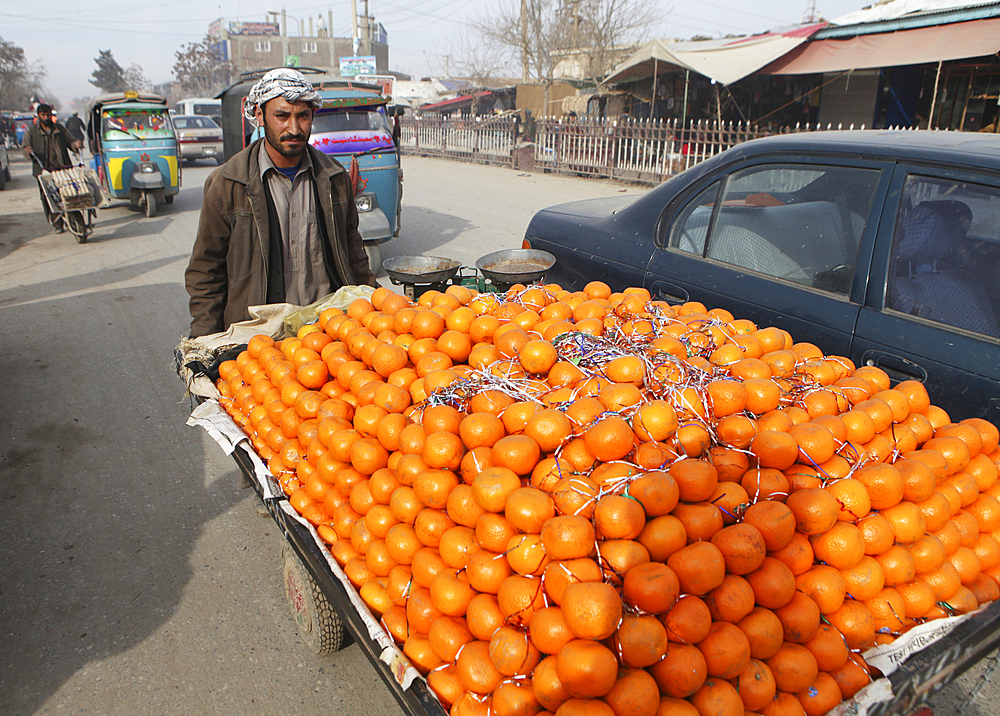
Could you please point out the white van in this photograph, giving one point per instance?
(204, 106)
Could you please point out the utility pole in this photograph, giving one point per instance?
(524, 40)
(354, 27)
(368, 31)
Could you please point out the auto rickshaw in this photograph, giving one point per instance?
(135, 148)
(353, 125)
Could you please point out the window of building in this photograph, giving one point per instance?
(262, 46)
(309, 48)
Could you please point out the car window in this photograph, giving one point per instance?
(945, 261)
(799, 223)
(691, 226)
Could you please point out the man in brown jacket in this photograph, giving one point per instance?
(278, 220)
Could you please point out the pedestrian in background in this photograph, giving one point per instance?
(75, 126)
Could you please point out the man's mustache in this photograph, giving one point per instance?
(292, 138)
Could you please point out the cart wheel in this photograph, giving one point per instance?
(77, 226)
(318, 621)
(374, 252)
(150, 205)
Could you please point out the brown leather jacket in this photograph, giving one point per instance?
(228, 268)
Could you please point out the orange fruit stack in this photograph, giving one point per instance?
(595, 503)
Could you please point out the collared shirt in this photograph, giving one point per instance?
(305, 274)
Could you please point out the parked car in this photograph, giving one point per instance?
(880, 246)
(199, 138)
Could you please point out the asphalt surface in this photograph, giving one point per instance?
(135, 576)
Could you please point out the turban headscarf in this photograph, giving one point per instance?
(282, 82)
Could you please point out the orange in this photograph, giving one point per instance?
(559, 575)
(519, 597)
(822, 695)
(815, 510)
(884, 483)
(764, 632)
(609, 439)
(855, 621)
(548, 689)
(794, 668)
(586, 668)
(773, 583)
(688, 621)
(755, 685)
(549, 428)
(774, 520)
(717, 696)
(825, 585)
(537, 356)
(700, 567)
(852, 498)
(592, 610)
(842, 546)
(493, 486)
(742, 546)
(651, 587)
(618, 517)
(681, 672)
(548, 630)
(800, 618)
(476, 669)
(635, 693)
(512, 652)
(640, 641)
(518, 453)
(797, 555)
(568, 537)
(730, 601)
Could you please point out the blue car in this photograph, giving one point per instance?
(876, 245)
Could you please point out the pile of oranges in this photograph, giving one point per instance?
(598, 504)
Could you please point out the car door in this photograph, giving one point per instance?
(933, 304)
(781, 241)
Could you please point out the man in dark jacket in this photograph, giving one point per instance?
(76, 127)
(278, 220)
(47, 142)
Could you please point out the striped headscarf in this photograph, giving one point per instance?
(282, 82)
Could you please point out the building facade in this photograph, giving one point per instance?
(263, 45)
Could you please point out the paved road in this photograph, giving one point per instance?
(135, 578)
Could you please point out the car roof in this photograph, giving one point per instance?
(969, 148)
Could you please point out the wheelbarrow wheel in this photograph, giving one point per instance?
(78, 226)
(150, 204)
(319, 623)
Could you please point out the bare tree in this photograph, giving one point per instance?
(201, 69)
(135, 79)
(20, 80)
(596, 32)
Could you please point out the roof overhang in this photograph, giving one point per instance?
(924, 45)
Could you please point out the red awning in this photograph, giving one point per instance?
(925, 45)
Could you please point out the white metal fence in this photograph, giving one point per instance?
(645, 151)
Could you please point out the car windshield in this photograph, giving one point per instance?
(194, 123)
(351, 120)
(136, 123)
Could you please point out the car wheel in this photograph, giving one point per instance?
(374, 257)
(150, 205)
(168, 199)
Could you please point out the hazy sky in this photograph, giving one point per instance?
(66, 35)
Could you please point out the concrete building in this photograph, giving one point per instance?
(263, 45)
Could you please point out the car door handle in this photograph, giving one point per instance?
(669, 292)
(896, 367)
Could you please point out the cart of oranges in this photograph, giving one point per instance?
(594, 503)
